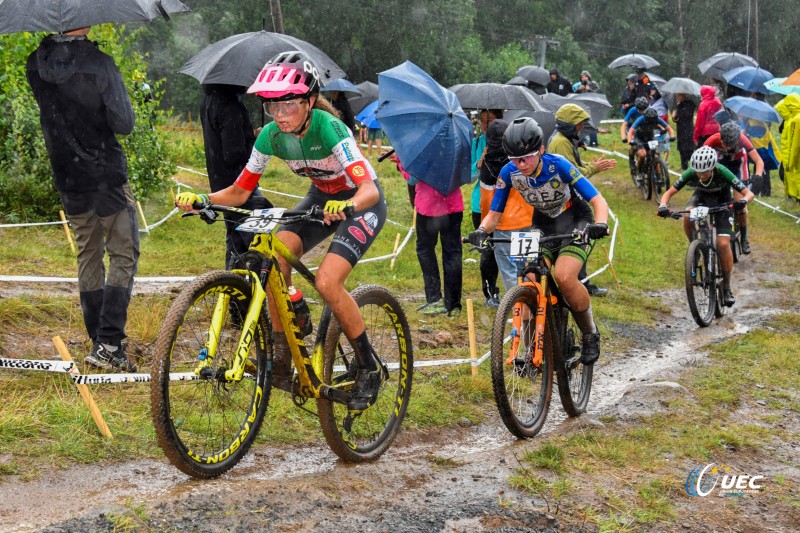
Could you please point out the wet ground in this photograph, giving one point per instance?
(444, 481)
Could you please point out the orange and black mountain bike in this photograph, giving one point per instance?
(534, 336)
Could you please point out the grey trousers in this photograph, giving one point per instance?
(105, 297)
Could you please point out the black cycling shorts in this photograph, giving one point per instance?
(723, 220)
(576, 216)
(351, 237)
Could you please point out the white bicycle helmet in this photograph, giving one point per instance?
(703, 159)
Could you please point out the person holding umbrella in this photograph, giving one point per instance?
(83, 105)
(315, 145)
(563, 200)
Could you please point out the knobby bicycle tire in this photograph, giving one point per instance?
(719, 307)
(205, 426)
(366, 436)
(574, 384)
(660, 178)
(647, 182)
(700, 284)
(522, 390)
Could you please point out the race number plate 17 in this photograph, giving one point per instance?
(524, 245)
(262, 220)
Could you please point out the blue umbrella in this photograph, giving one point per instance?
(367, 116)
(426, 126)
(750, 79)
(342, 85)
(752, 108)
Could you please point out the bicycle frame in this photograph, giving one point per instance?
(266, 246)
(541, 308)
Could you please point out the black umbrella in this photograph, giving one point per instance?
(495, 96)
(534, 74)
(635, 61)
(718, 64)
(545, 119)
(238, 59)
(369, 93)
(596, 104)
(63, 15)
(517, 80)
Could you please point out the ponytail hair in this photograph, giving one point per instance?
(325, 105)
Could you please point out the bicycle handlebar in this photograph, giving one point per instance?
(576, 236)
(711, 210)
(208, 213)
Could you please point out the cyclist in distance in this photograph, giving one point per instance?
(713, 183)
(640, 106)
(733, 148)
(642, 130)
(561, 197)
(308, 137)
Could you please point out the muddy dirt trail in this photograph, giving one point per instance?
(444, 481)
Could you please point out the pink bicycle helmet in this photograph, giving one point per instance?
(287, 76)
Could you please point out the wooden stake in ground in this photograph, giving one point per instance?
(141, 214)
(87, 397)
(610, 264)
(394, 252)
(66, 230)
(473, 343)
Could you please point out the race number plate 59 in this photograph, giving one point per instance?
(524, 245)
(262, 220)
(652, 144)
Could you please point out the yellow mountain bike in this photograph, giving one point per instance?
(212, 366)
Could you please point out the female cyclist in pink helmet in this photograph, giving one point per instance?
(307, 135)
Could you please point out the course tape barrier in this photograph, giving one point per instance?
(71, 368)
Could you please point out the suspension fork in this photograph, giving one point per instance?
(517, 320)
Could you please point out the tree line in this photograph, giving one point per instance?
(465, 41)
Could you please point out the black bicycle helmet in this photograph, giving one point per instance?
(651, 113)
(729, 134)
(522, 137)
(631, 77)
(641, 104)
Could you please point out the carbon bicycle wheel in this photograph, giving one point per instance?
(660, 178)
(206, 424)
(522, 390)
(574, 382)
(365, 436)
(700, 285)
(646, 187)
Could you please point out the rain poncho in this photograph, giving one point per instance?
(789, 110)
(705, 125)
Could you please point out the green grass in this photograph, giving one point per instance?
(43, 423)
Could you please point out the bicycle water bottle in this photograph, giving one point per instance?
(301, 311)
